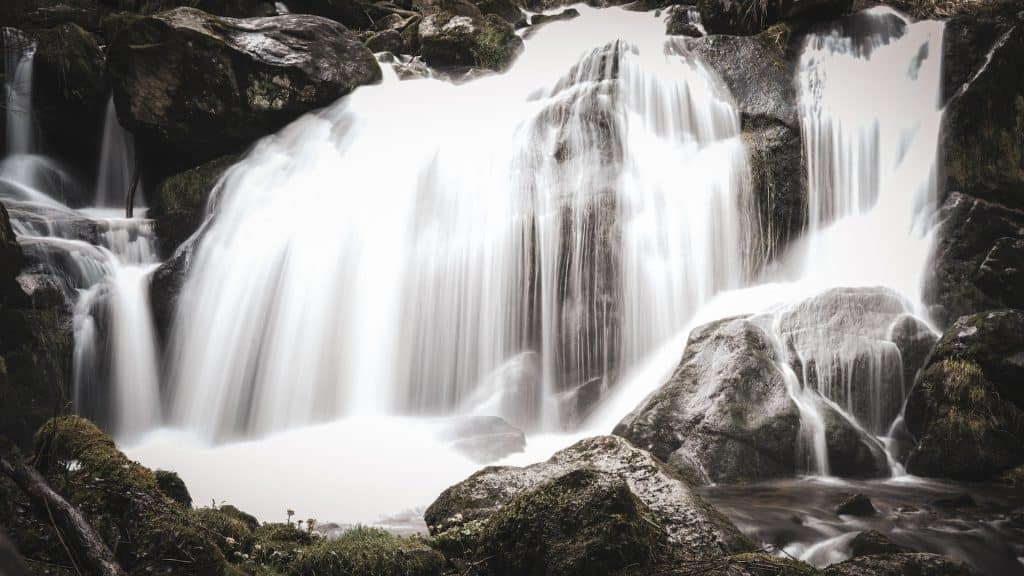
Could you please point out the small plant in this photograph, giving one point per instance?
(290, 514)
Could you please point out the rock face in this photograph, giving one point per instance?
(608, 470)
(179, 205)
(450, 40)
(977, 258)
(759, 75)
(210, 85)
(967, 408)
(753, 16)
(898, 565)
(727, 415)
(983, 132)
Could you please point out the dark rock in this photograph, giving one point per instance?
(856, 505)
(683, 21)
(485, 438)
(448, 40)
(165, 287)
(898, 565)
(356, 14)
(508, 10)
(753, 16)
(967, 407)
(173, 486)
(39, 14)
(670, 503)
(954, 501)
(726, 415)
(11, 258)
(915, 340)
(386, 41)
(567, 14)
(205, 85)
(364, 550)
(977, 258)
(178, 207)
(873, 542)
(983, 126)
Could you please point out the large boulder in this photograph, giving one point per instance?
(449, 40)
(977, 258)
(759, 74)
(983, 126)
(898, 565)
(207, 85)
(967, 408)
(665, 498)
(179, 205)
(728, 413)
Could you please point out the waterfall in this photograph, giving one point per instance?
(515, 242)
(19, 52)
(116, 164)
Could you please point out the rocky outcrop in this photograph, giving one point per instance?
(207, 85)
(179, 205)
(898, 565)
(967, 408)
(873, 542)
(727, 413)
(616, 468)
(759, 75)
(978, 252)
(753, 16)
(449, 40)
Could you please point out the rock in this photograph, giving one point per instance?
(873, 542)
(759, 75)
(513, 391)
(750, 17)
(386, 41)
(448, 40)
(567, 14)
(670, 503)
(980, 246)
(856, 505)
(983, 127)
(914, 339)
(954, 501)
(178, 207)
(173, 486)
(508, 10)
(484, 438)
(684, 21)
(11, 258)
(898, 565)
(165, 287)
(726, 414)
(206, 85)
(966, 409)
(11, 563)
(365, 550)
(40, 14)
(356, 14)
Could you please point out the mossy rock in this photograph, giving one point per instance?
(447, 40)
(232, 535)
(277, 545)
(179, 206)
(370, 552)
(174, 487)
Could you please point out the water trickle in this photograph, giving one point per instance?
(116, 164)
(19, 52)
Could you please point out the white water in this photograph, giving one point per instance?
(116, 164)
(19, 52)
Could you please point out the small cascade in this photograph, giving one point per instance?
(539, 233)
(19, 52)
(116, 164)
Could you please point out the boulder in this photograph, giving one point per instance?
(40, 14)
(873, 542)
(856, 505)
(508, 10)
(898, 565)
(744, 17)
(356, 14)
(206, 85)
(173, 487)
(759, 75)
(386, 41)
(484, 438)
(966, 409)
(982, 136)
(165, 286)
(727, 414)
(447, 40)
(178, 207)
(977, 257)
(683, 21)
(914, 339)
(665, 498)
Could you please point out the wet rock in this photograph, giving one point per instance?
(683, 21)
(983, 126)
(977, 258)
(165, 287)
(779, 183)
(512, 391)
(898, 565)
(173, 486)
(873, 542)
(356, 14)
(670, 503)
(448, 40)
(178, 207)
(744, 18)
(915, 340)
(856, 505)
(205, 85)
(967, 407)
(506, 9)
(726, 414)
(954, 501)
(485, 438)
(40, 14)
(11, 258)
(386, 41)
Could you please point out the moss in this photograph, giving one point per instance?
(277, 545)
(179, 205)
(491, 48)
(233, 536)
(367, 552)
(174, 487)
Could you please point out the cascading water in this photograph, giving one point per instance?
(534, 224)
(19, 53)
(116, 164)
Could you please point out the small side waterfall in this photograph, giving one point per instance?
(538, 233)
(19, 53)
(116, 164)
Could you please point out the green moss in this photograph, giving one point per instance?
(277, 545)
(179, 205)
(174, 487)
(491, 47)
(233, 536)
(367, 552)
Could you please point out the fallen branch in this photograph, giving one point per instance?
(73, 530)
